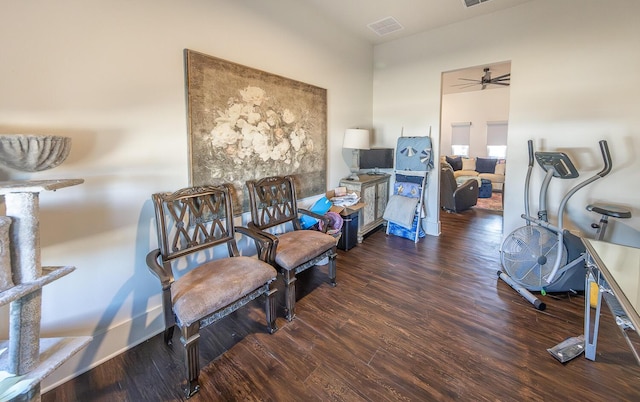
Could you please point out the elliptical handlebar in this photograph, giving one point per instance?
(606, 156)
(527, 180)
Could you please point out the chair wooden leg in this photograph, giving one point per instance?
(270, 309)
(169, 317)
(168, 335)
(290, 294)
(191, 341)
(332, 269)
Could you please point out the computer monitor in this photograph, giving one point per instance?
(376, 158)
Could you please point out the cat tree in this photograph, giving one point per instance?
(26, 359)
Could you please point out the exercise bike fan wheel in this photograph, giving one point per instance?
(528, 255)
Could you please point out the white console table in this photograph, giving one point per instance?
(616, 270)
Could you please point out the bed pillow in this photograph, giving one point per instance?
(456, 163)
(485, 165)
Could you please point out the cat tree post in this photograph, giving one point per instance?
(25, 313)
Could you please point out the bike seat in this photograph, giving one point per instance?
(609, 210)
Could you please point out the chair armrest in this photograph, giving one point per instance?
(467, 184)
(470, 186)
(266, 243)
(323, 218)
(165, 276)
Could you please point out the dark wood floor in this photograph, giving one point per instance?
(406, 322)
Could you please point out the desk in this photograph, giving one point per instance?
(616, 270)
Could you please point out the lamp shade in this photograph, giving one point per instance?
(356, 138)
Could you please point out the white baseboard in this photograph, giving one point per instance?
(432, 227)
(107, 344)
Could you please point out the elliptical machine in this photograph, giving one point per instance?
(540, 256)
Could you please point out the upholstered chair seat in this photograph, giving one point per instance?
(198, 293)
(291, 256)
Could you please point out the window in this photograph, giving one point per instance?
(460, 134)
(497, 139)
(497, 151)
(462, 150)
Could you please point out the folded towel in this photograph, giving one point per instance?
(400, 210)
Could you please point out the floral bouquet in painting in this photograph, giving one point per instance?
(254, 130)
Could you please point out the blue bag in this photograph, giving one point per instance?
(320, 207)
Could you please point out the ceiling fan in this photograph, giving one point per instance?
(486, 79)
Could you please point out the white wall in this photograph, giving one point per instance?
(574, 81)
(477, 107)
(109, 74)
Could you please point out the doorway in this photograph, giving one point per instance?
(474, 125)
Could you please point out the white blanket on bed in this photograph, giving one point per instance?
(401, 210)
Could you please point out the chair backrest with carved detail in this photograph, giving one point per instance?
(273, 202)
(194, 218)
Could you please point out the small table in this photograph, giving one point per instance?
(616, 270)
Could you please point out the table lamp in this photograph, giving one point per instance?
(355, 139)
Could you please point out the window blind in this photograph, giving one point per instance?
(497, 132)
(460, 133)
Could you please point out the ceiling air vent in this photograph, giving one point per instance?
(469, 3)
(385, 26)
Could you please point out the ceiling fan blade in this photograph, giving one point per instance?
(504, 76)
(506, 84)
(465, 85)
(469, 79)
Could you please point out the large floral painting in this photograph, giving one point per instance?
(247, 124)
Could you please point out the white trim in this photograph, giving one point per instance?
(107, 344)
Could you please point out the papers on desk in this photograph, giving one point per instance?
(345, 200)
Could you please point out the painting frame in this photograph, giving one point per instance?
(246, 124)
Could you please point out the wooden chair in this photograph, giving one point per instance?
(196, 220)
(273, 202)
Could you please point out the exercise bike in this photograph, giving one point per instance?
(540, 256)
